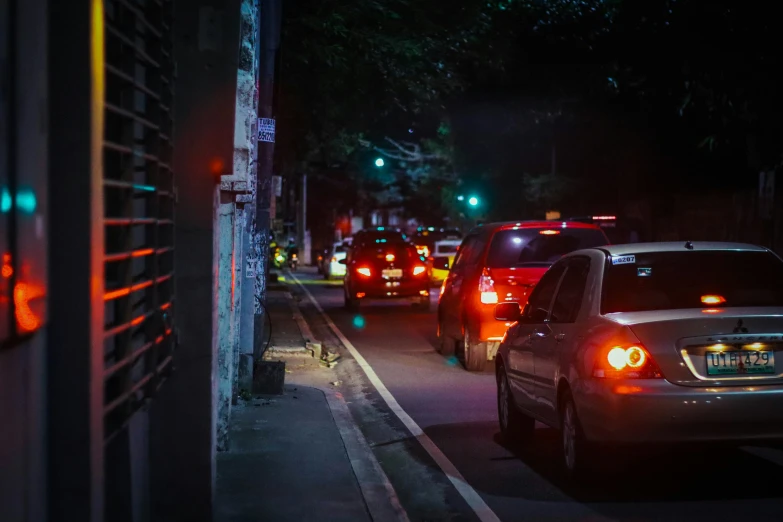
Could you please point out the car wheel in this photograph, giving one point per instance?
(445, 343)
(572, 441)
(515, 426)
(474, 354)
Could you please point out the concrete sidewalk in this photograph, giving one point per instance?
(287, 463)
(299, 456)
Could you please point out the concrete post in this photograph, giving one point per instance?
(224, 229)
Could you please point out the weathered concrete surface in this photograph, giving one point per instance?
(287, 463)
(224, 231)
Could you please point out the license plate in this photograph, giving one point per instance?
(738, 363)
(392, 272)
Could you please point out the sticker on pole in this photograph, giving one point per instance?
(623, 260)
(266, 130)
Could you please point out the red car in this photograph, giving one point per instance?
(497, 263)
(385, 269)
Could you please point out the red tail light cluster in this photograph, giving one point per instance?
(364, 271)
(626, 362)
(418, 270)
(487, 288)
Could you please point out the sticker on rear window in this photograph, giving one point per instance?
(623, 260)
(644, 272)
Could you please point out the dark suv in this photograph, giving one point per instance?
(381, 268)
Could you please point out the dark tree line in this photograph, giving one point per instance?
(538, 103)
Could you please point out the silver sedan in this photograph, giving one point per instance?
(647, 343)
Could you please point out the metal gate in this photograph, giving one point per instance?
(139, 196)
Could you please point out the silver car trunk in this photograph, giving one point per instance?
(684, 342)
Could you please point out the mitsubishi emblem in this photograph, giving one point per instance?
(740, 328)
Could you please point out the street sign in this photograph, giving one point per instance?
(266, 130)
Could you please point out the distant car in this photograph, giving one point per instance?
(379, 235)
(500, 262)
(647, 343)
(333, 269)
(443, 254)
(385, 270)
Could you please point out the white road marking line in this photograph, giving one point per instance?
(473, 499)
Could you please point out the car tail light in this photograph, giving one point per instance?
(626, 362)
(418, 270)
(389, 258)
(487, 288)
(713, 299)
(364, 271)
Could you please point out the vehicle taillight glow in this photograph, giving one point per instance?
(487, 289)
(364, 271)
(713, 299)
(417, 270)
(389, 258)
(334, 260)
(549, 232)
(626, 362)
(604, 218)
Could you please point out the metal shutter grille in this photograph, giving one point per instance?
(138, 206)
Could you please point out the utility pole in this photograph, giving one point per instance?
(269, 19)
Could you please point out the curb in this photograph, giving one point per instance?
(379, 495)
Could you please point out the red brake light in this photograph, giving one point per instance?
(549, 232)
(389, 258)
(487, 288)
(364, 271)
(626, 362)
(713, 299)
(417, 270)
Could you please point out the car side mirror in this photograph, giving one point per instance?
(507, 312)
(343, 262)
(440, 263)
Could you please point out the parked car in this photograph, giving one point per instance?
(385, 270)
(333, 269)
(500, 262)
(647, 343)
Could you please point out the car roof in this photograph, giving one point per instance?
(511, 225)
(676, 246)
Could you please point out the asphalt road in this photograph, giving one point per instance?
(458, 411)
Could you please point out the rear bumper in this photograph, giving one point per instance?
(392, 290)
(487, 327)
(661, 412)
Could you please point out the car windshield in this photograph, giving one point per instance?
(691, 279)
(339, 248)
(538, 246)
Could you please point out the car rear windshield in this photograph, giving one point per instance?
(539, 246)
(691, 279)
(446, 250)
(404, 254)
(381, 236)
(339, 248)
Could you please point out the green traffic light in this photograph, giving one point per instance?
(379, 162)
(473, 201)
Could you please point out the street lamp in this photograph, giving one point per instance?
(460, 198)
(473, 201)
(379, 162)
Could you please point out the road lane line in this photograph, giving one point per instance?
(471, 496)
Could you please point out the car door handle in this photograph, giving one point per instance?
(540, 333)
